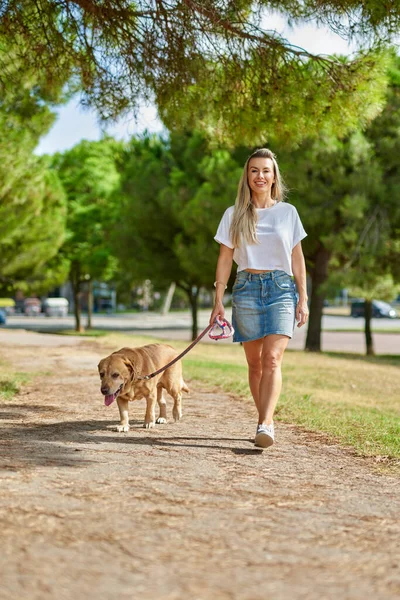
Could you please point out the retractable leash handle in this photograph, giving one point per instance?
(225, 330)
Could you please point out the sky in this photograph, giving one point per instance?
(75, 123)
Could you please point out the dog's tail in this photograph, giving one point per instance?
(184, 387)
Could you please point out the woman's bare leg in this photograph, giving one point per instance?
(271, 380)
(253, 352)
(264, 359)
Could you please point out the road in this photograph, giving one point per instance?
(177, 325)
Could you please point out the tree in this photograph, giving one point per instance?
(202, 186)
(90, 177)
(333, 183)
(384, 134)
(373, 269)
(144, 237)
(348, 197)
(174, 193)
(32, 204)
(208, 64)
(26, 248)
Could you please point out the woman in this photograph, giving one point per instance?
(262, 234)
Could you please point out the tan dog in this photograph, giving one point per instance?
(119, 374)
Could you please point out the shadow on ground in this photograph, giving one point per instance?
(39, 444)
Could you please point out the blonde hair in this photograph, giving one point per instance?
(244, 220)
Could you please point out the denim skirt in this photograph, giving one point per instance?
(263, 304)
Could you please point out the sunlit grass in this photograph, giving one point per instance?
(85, 333)
(10, 381)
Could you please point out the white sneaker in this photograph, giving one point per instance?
(264, 436)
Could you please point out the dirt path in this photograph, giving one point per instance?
(185, 511)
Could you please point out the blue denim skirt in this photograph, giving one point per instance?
(263, 304)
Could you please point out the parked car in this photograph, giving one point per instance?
(55, 307)
(7, 305)
(32, 307)
(3, 317)
(380, 309)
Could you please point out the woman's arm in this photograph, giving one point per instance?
(299, 272)
(224, 268)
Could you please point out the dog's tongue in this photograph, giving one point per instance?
(109, 399)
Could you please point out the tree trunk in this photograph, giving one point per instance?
(193, 298)
(76, 290)
(319, 275)
(77, 306)
(90, 305)
(168, 300)
(368, 333)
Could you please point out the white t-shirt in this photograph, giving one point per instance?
(279, 229)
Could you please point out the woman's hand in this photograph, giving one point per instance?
(301, 312)
(218, 311)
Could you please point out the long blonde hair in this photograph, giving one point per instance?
(244, 220)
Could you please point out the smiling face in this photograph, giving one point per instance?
(114, 374)
(260, 175)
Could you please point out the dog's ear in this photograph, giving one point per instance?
(129, 364)
(100, 365)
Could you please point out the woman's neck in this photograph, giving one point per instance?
(262, 200)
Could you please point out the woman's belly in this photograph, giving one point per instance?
(256, 271)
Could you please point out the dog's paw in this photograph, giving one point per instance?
(149, 425)
(161, 420)
(123, 428)
(177, 414)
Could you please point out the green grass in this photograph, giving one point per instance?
(370, 431)
(351, 398)
(86, 333)
(10, 382)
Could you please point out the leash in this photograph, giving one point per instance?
(226, 331)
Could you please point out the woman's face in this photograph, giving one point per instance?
(260, 175)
